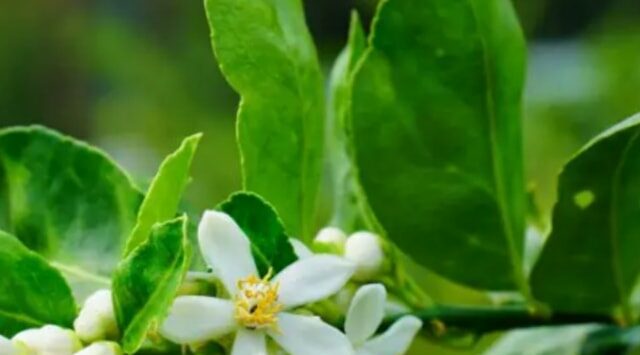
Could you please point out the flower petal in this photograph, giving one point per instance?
(194, 319)
(300, 249)
(396, 340)
(365, 313)
(312, 279)
(249, 342)
(307, 335)
(225, 248)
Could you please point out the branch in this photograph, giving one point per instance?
(481, 320)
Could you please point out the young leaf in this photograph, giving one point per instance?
(146, 281)
(436, 123)
(590, 261)
(260, 222)
(267, 55)
(164, 194)
(350, 208)
(65, 200)
(32, 293)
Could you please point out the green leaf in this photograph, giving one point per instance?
(67, 201)
(164, 194)
(32, 293)
(267, 55)
(146, 281)
(436, 123)
(350, 209)
(260, 222)
(590, 261)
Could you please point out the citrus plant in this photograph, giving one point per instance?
(418, 128)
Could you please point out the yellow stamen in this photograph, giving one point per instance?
(256, 304)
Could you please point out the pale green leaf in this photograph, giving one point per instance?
(165, 192)
(147, 280)
(32, 293)
(67, 201)
(266, 53)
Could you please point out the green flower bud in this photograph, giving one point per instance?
(330, 240)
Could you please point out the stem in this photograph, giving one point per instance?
(482, 320)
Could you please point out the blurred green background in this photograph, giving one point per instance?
(134, 77)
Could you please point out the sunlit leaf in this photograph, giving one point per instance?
(67, 201)
(436, 123)
(146, 281)
(267, 55)
(590, 261)
(164, 194)
(32, 293)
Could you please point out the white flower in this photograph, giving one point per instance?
(364, 317)
(48, 340)
(365, 250)
(257, 307)
(300, 249)
(97, 320)
(101, 348)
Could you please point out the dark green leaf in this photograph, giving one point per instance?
(32, 293)
(350, 208)
(164, 194)
(436, 124)
(146, 282)
(267, 55)
(67, 201)
(590, 261)
(260, 222)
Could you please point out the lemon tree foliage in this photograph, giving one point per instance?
(67, 201)
(33, 293)
(148, 279)
(164, 195)
(436, 124)
(423, 143)
(590, 262)
(266, 53)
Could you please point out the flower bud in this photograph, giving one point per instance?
(330, 240)
(101, 348)
(365, 250)
(97, 320)
(49, 340)
(7, 347)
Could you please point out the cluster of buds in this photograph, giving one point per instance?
(95, 324)
(365, 249)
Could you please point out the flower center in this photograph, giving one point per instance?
(256, 304)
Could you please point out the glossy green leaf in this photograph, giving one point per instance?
(260, 222)
(590, 261)
(146, 281)
(350, 209)
(164, 194)
(267, 55)
(66, 200)
(32, 293)
(436, 123)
